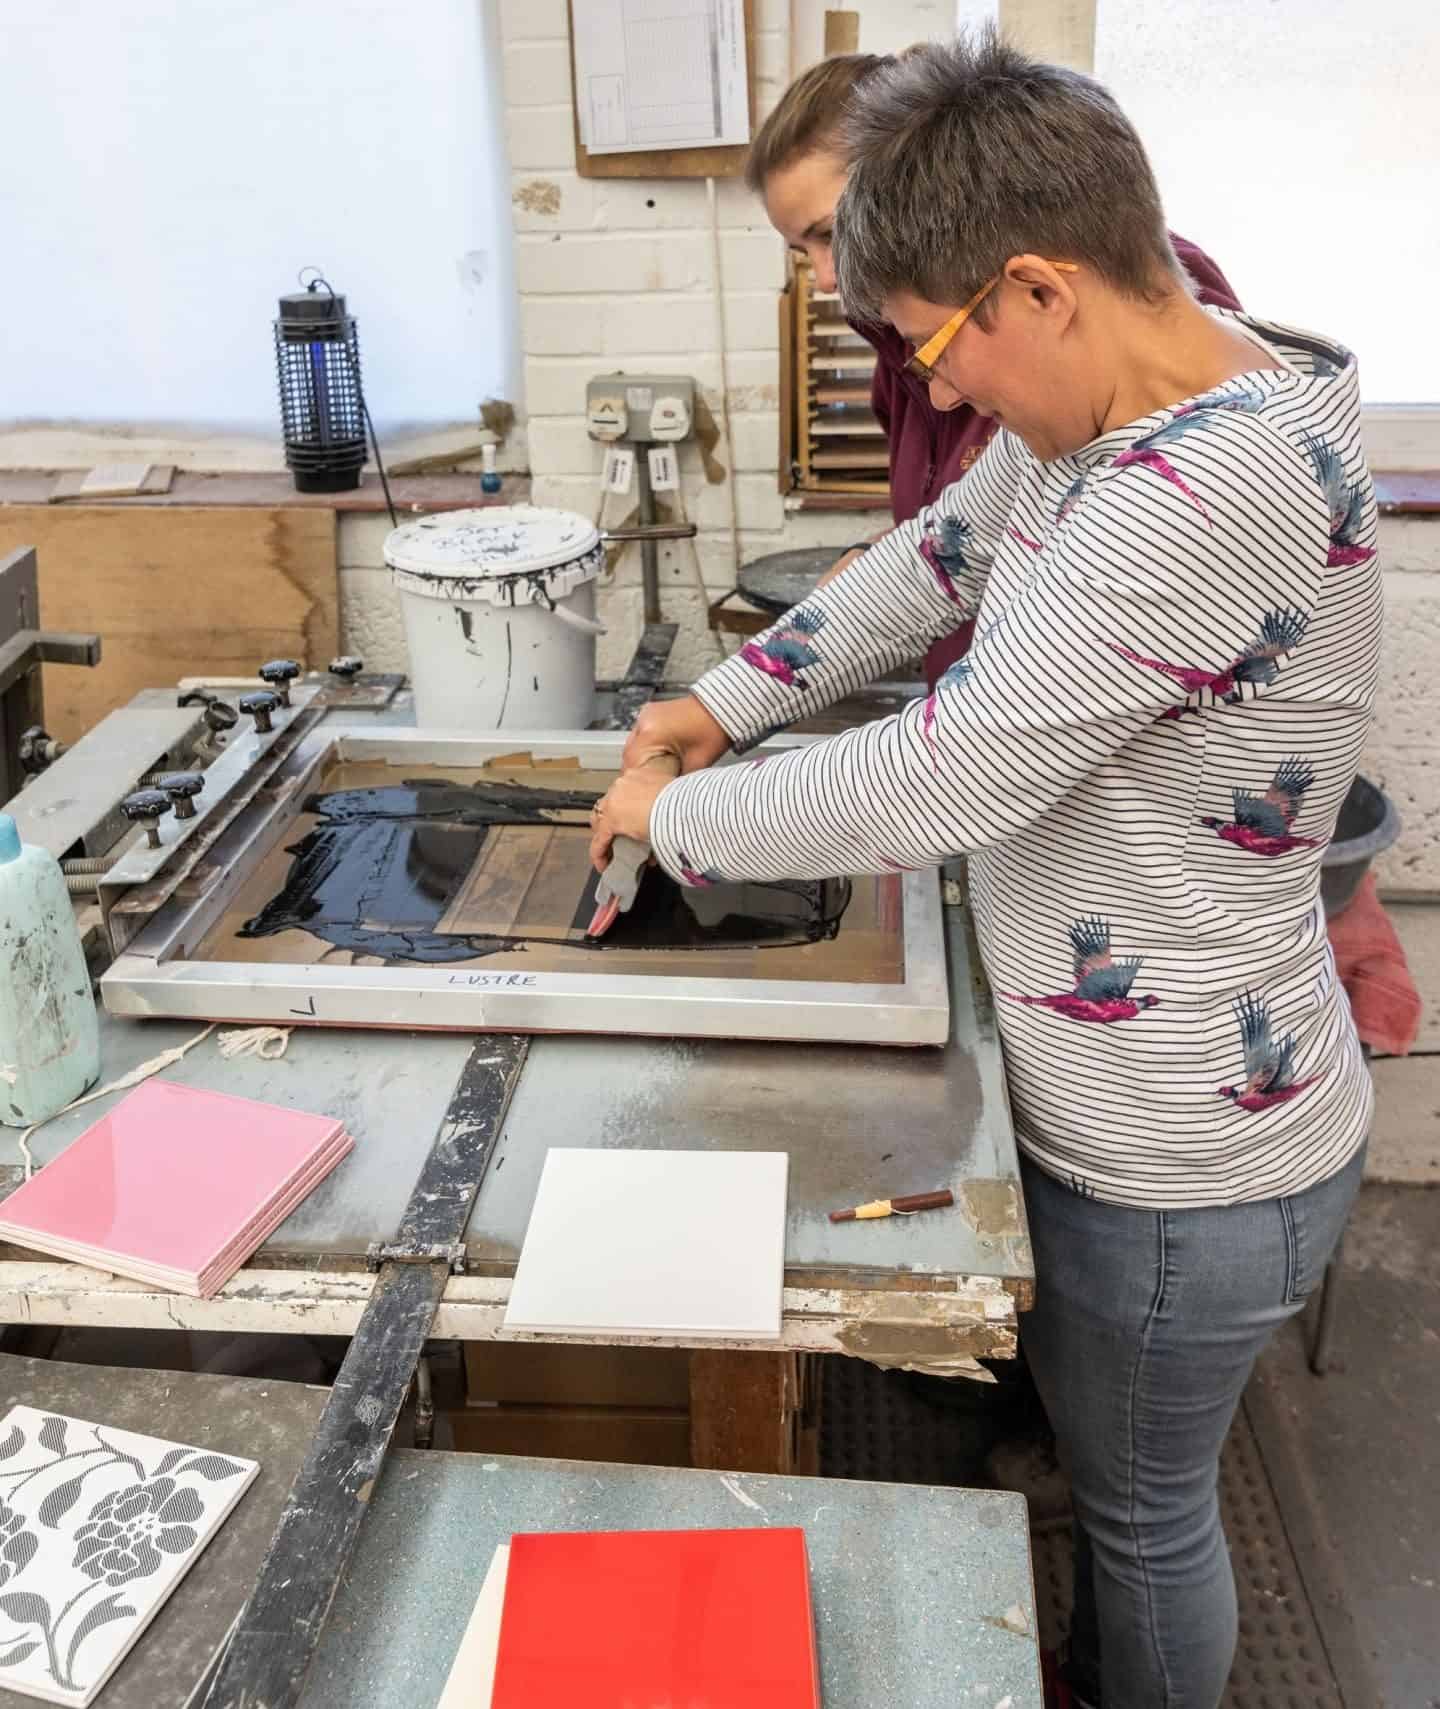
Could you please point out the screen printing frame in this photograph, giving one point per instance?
(153, 977)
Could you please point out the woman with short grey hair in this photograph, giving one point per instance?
(1169, 552)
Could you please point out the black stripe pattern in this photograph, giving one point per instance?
(1177, 643)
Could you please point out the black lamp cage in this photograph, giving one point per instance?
(322, 405)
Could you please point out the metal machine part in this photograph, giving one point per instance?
(261, 706)
(73, 807)
(147, 807)
(39, 749)
(147, 874)
(24, 647)
(182, 787)
(278, 675)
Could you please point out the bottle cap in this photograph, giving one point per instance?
(9, 839)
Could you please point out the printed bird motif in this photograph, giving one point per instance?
(1262, 822)
(787, 650)
(956, 676)
(1347, 506)
(1102, 981)
(1281, 630)
(1071, 498)
(943, 548)
(697, 880)
(1269, 1067)
(1197, 417)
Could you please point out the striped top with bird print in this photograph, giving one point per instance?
(1144, 752)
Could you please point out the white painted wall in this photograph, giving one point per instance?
(1297, 141)
(167, 168)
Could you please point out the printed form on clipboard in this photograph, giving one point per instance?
(655, 74)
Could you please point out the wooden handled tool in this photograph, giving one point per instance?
(896, 1207)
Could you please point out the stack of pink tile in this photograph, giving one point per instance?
(175, 1186)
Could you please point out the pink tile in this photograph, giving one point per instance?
(174, 1178)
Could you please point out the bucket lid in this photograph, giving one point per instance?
(494, 541)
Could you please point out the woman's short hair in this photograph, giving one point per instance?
(964, 153)
(808, 116)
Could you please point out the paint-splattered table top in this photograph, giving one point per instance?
(859, 1123)
(922, 1596)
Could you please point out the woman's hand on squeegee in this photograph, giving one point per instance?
(625, 811)
(680, 728)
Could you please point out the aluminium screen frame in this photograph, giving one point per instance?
(155, 977)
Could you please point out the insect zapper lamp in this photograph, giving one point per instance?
(322, 406)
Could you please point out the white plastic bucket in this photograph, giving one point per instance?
(499, 612)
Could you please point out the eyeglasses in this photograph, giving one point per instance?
(921, 365)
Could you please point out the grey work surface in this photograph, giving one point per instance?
(390, 1089)
(270, 1422)
(859, 1123)
(923, 1597)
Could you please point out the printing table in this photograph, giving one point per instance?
(857, 1123)
(451, 1133)
(922, 1596)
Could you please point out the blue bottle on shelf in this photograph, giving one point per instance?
(49, 1031)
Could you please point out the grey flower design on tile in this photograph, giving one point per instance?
(17, 1545)
(96, 1525)
(127, 1530)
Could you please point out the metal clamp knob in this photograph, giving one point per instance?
(38, 749)
(182, 787)
(280, 673)
(346, 668)
(147, 807)
(220, 716)
(259, 706)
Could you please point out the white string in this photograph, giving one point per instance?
(165, 1059)
(270, 1043)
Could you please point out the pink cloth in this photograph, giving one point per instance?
(1372, 967)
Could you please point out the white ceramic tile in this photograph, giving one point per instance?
(654, 1242)
(97, 1527)
(471, 1683)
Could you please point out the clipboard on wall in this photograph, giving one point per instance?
(725, 161)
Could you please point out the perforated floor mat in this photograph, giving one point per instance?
(876, 1425)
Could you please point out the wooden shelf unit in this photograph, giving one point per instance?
(831, 441)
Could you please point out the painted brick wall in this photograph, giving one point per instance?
(620, 274)
(1404, 751)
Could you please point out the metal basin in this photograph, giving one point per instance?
(1368, 824)
(780, 580)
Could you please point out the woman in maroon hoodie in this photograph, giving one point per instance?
(796, 166)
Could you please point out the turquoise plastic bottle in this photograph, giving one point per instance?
(49, 1031)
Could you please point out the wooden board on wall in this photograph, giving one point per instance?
(665, 162)
(176, 592)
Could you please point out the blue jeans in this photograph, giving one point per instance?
(1145, 1327)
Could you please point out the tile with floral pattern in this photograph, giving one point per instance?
(97, 1527)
